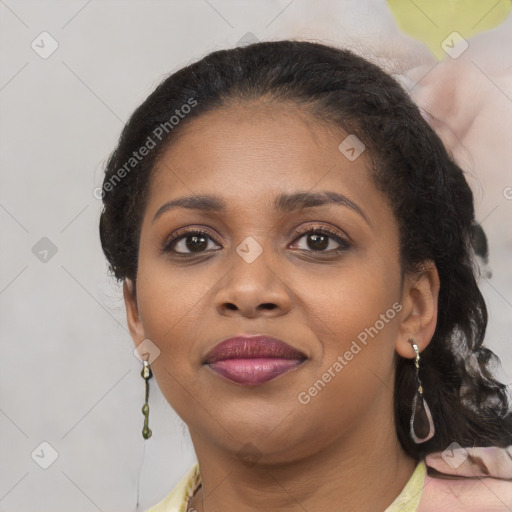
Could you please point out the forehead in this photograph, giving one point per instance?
(258, 148)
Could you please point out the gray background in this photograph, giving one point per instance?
(69, 376)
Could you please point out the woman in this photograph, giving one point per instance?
(295, 247)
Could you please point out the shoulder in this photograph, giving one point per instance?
(471, 480)
(466, 494)
(177, 500)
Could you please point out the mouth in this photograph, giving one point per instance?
(253, 360)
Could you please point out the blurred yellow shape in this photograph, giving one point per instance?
(432, 21)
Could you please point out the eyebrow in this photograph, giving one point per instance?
(284, 203)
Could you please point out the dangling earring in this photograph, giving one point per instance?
(422, 425)
(146, 375)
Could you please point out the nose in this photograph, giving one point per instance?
(253, 290)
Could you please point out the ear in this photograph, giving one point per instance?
(132, 313)
(418, 317)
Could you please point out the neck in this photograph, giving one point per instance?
(363, 471)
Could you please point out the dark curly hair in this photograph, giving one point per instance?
(427, 191)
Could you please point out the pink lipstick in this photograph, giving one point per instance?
(253, 360)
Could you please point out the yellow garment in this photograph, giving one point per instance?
(177, 500)
(432, 21)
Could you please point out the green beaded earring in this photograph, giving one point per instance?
(146, 375)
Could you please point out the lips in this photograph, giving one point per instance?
(253, 360)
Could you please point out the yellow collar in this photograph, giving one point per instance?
(177, 500)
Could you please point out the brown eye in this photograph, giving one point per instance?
(321, 240)
(317, 241)
(189, 243)
(194, 243)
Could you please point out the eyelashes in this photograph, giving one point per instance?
(189, 242)
(197, 235)
(325, 233)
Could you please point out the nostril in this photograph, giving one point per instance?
(266, 306)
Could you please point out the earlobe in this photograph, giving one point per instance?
(419, 314)
(132, 313)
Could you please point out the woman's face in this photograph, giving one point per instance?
(336, 298)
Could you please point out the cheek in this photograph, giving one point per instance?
(355, 316)
(351, 298)
(170, 301)
(357, 324)
(170, 296)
